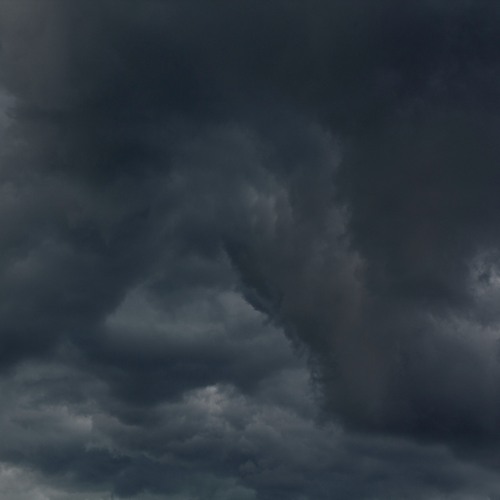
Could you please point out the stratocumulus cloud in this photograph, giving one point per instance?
(249, 250)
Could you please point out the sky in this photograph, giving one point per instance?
(249, 250)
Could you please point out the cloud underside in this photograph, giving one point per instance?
(249, 251)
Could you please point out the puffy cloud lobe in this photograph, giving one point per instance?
(180, 183)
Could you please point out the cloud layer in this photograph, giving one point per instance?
(249, 251)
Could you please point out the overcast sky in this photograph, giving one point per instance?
(249, 250)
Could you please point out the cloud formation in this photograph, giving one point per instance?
(249, 251)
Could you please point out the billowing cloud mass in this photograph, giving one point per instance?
(249, 250)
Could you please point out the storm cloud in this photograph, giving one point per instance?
(249, 250)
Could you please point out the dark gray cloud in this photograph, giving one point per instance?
(249, 251)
